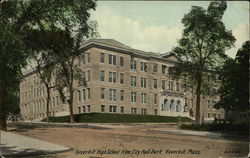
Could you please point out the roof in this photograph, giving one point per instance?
(113, 44)
(116, 44)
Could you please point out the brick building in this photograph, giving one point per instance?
(120, 79)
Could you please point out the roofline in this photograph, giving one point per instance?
(93, 44)
(122, 50)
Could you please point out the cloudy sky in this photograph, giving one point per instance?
(156, 25)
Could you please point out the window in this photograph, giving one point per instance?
(155, 83)
(79, 95)
(208, 115)
(88, 75)
(121, 78)
(112, 59)
(122, 95)
(163, 69)
(143, 98)
(143, 66)
(133, 65)
(102, 57)
(208, 104)
(83, 94)
(112, 94)
(133, 110)
(88, 91)
(121, 61)
(163, 84)
(143, 111)
(79, 110)
(133, 97)
(133, 81)
(102, 108)
(214, 115)
(88, 107)
(102, 75)
(155, 68)
(143, 82)
(177, 86)
(88, 58)
(155, 111)
(83, 59)
(155, 98)
(102, 93)
(122, 109)
(170, 85)
(112, 108)
(112, 77)
(83, 109)
(192, 102)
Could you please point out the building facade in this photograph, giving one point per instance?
(119, 80)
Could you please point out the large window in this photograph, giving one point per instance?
(143, 98)
(155, 98)
(83, 94)
(133, 81)
(102, 93)
(88, 89)
(143, 111)
(177, 86)
(122, 109)
(133, 110)
(112, 59)
(121, 78)
(163, 69)
(143, 66)
(133, 65)
(112, 108)
(79, 95)
(143, 82)
(133, 97)
(102, 57)
(87, 58)
(112, 94)
(88, 75)
(192, 103)
(102, 108)
(163, 84)
(121, 61)
(102, 75)
(88, 108)
(155, 68)
(122, 95)
(155, 83)
(112, 77)
(170, 85)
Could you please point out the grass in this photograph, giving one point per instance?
(116, 118)
(222, 127)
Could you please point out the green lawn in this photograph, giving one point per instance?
(117, 118)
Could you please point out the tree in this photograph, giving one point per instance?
(234, 77)
(67, 69)
(44, 70)
(202, 47)
(19, 20)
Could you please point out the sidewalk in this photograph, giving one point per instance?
(14, 145)
(196, 133)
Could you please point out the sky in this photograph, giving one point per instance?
(156, 25)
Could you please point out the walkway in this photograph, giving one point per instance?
(14, 145)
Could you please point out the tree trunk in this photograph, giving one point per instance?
(47, 105)
(71, 101)
(198, 101)
(3, 96)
